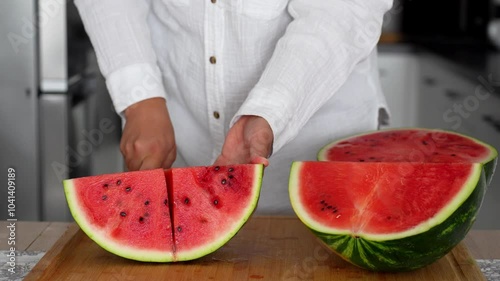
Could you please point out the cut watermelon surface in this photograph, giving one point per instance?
(209, 205)
(125, 213)
(412, 145)
(393, 200)
(378, 200)
(160, 216)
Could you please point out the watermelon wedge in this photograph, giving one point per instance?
(165, 215)
(393, 200)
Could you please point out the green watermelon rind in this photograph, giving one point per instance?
(215, 245)
(490, 161)
(410, 252)
(99, 237)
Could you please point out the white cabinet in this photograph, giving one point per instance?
(453, 102)
(441, 93)
(399, 81)
(423, 91)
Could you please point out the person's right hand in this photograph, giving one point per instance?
(148, 137)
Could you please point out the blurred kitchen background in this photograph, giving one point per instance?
(439, 67)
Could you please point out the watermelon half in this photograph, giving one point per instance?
(165, 215)
(393, 200)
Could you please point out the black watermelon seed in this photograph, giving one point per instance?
(216, 202)
(118, 182)
(230, 170)
(322, 201)
(329, 207)
(361, 160)
(105, 185)
(179, 229)
(146, 203)
(453, 155)
(217, 168)
(230, 176)
(165, 202)
(123, 214)
(223, 181)
(141, 220)
(128, 189)
(104, 197)
(322, 209)
(335, 210)
(186, 200)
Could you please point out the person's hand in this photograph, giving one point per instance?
(148, 137)
(249, 141)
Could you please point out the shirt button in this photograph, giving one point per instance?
(216, 115)
(213, 1)
(213, 60)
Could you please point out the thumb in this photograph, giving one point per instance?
(259, 152)
(221, 161)
(259, 160)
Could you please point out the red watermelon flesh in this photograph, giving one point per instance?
(375, 198)
(125, 209)
(206, 202)
(173, 215)
(408, 145)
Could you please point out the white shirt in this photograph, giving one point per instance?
(303, 65)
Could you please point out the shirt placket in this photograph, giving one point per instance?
(214, 24)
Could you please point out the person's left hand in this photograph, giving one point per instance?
(249, 141)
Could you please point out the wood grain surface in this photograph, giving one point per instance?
(267, 248)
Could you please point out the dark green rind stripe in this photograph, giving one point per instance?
(412, 252)
(489, 169)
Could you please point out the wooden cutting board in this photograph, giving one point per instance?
(266, 248)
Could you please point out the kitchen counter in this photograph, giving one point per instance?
(33, 239)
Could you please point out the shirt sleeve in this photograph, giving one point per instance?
(315, 56)
(120, 35)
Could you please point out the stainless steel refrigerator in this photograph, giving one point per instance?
(56, 118)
